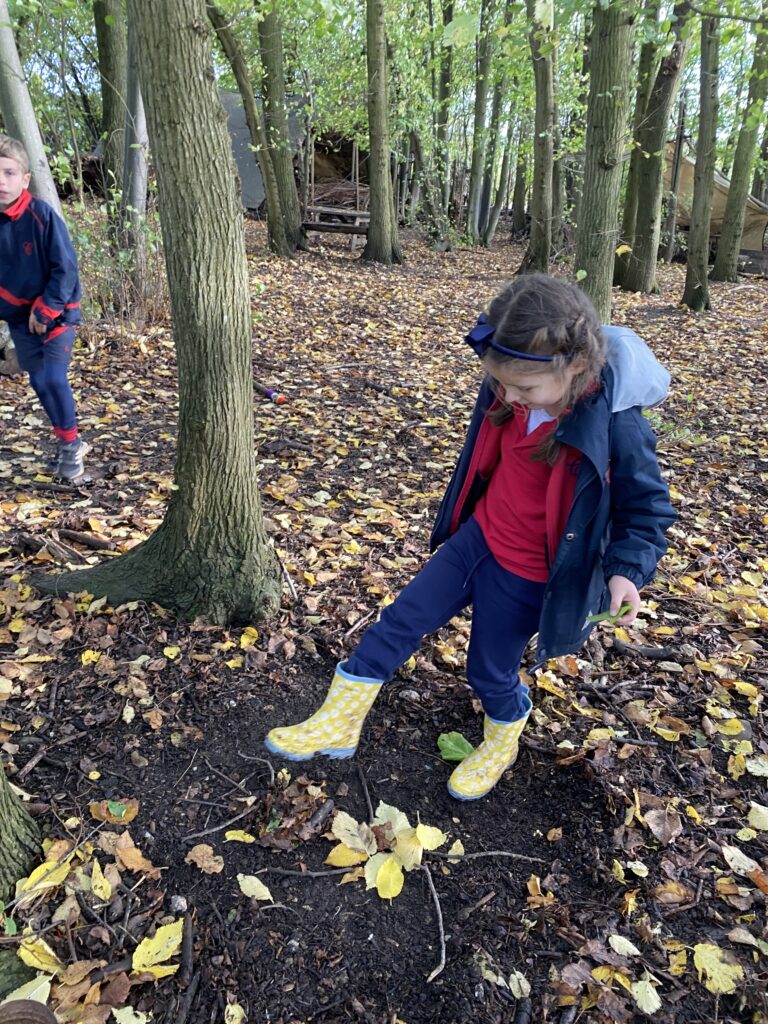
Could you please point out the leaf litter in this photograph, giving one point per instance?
(642, 784)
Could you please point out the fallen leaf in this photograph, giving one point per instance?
(203, 857)
(150, 954)
(251, 886)
(718, 969)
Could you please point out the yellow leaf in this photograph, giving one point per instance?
(165, 943)
(237, 835)
(623, 946)
(251, 886)
(645, 995)
(758, 816)
(249, 637)
(99, 884)
(371, 869)
(36, 953)
(48, 875)
(755, 578)
(718, 969)
(236, 662)
(731, 727)
(737, 765)
(623, 249)
(430, 837)
(407, 849)
(456, 852)
(342, 857)
(678, 963)
(390, 878)
(393, 819)
(757, 765)
(90, 657)
(172, 653)
(234, 1014)
(693, 814)
(672, 892)
(353, 834)
(747, 689)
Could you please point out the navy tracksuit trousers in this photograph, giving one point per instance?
(47, 362)
(505, 615)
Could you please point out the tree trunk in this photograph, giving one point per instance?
(443, 105)
(760, 181)
(540, 243)
(610, 69)
(211, 556)
(641, 268)
(278, 242)
(479, 132)
(132, 230)
(670, 218)
(520, 190)
(19, 839)
(276, 121)
(503, 186)
(383, 245)
(18, 114)
(726, 260)
(696, 294)
(491, 154)
(645, 77)
(112, 46)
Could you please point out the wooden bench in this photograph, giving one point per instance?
(348, 222)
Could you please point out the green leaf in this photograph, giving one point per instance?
(116, 808)
(580, 275)
(453, 746)
(608, 617)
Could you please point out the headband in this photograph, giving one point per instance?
(481, 338)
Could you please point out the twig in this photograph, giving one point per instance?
(641, 651)
(217, 828)
(52, 698)
(487, 853)
(194, 755)
(88, 540)
(288, 579)
(236, 785)
(186, 1003)
(115, 968)
(31, 764)
(261, 760)
(66, 856)
(438, 911)
(187, 946)
(305, 874)
(360, 623)
(364, 784)
(524, 1011)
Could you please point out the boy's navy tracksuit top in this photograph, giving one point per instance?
(620, 509)
(38, 267)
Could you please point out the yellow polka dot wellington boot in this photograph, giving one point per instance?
(334, 729)
(481, 770)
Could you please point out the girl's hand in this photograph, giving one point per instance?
(623, 591)
(35, 326)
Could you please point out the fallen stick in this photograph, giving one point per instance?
(487, 853)
(441, 929)
(641, 651)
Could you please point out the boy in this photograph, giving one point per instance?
(40, 300)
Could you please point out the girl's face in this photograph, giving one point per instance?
(537, 389)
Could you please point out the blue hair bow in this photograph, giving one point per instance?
(481, 338)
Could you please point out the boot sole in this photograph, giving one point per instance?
(337, 753)
(461, 796)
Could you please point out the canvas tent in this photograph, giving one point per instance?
(251, 185)
(754, 236)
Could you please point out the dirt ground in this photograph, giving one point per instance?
(353, 465)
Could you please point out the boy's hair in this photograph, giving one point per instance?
(546, 316)
(12, 149)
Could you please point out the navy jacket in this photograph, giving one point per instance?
(620, 509)
(38, 266)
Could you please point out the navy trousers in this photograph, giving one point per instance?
(505, 615)
(47, 362)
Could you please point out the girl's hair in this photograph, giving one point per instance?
(546, 316)
(12, 149)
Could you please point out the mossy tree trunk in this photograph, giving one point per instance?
(276, 121)
(383, 245)
(640, 275)
(19, 839)
(541, 16)
(278, 241)
(112, 44)
(610, 64)
(696, 293)
(726, 260)
(211, 556)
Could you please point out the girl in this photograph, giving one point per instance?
(556, 510)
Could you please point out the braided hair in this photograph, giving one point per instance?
(549, 316)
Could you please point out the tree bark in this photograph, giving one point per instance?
(491, 155)
(540, 243)
(696, 293)
(645, 77)
(641, 267)
(383, 245)
(670, 218)
(132, 230)
(211, 556)
(19, 839)
(729, 243)
(520, 190)
(443, 106)
(760, 181)
(276, 121)
(18, 114)
(479, 131)
(503, 186)
(278, 241)
(607, 114)
(112, 47)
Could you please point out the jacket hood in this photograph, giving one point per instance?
(639, 379)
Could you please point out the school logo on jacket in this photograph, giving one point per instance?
(28, 248)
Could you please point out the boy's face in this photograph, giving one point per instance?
(12, 181)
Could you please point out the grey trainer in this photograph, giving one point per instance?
(71, 459)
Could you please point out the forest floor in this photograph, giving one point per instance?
(625, 858)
